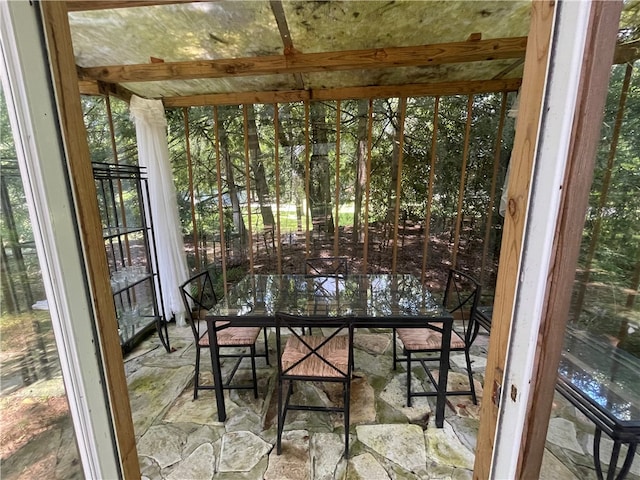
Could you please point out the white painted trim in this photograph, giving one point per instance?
(28, 93)
(549, 172)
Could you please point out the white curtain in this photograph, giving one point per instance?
(153, 153)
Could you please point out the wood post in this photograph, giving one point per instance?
(247, 176)
(432, 174)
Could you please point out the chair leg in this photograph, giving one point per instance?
(266, 346)
(470, 374)
(347, 394)
(282, 412)
(196, 374)
(408, 379)
(395, 348)
(253, 371)
(280, 419)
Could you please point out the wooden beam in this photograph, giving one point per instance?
(192, 197)
(400, 134)
(307, 179)
(84, 5)
(285, 35)
(93, 87)
(505, 71)
(237, 98)
(494, 179)
(59, 45)
(425, 55)
(367, 190)
(463, 181)
(276, 154)
(336, 230)
(419, 90)
(432, 175)
(627, 52)
(223, 247)
(585, 136)
(89, 87)
(387, 91)
(520, 177)
(247, 181)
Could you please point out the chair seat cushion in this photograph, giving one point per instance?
(233, 337)
(336, 352)
(415, 339)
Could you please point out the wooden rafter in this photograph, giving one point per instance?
(84, 5)
(387, 91)
(627, 52)
(425, 55)
(285, 35)
(92, 87)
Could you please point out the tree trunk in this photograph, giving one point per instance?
(319, 174)
(257, 166)
(232, 188)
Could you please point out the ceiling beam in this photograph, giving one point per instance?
(387, 91)
(285, 35)
(627, 52)
(84, 5)
(426, 55)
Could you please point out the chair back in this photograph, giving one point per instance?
(461, 299)
(327, 266)
(316, 356)
(198, 296)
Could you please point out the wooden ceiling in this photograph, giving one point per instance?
(197, 53)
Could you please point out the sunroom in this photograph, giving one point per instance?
(381, 132)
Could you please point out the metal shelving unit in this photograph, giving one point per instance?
(123, 200)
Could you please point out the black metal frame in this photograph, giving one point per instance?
(217, 322)
(620, 434)
(199, 296)
(109, 179)
(285, 325)
(327, 266)
(456, 299)
(620, 431)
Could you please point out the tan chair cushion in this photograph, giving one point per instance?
(233, 337)
(426, 339)
(336, 352)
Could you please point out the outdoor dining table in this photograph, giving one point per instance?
(369, 301)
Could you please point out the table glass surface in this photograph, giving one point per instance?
(362, 296)
(608, 376)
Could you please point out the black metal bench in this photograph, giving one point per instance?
(602, 382)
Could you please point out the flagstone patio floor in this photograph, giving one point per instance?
(179, 438)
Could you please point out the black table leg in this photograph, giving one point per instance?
(215, 368)
(613, 462)
(626, 466)
(444, 372)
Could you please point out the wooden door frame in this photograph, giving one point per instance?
(533, 291)
(65, 82)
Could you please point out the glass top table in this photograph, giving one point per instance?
(370, 301)
(601, 381)
(366, 297)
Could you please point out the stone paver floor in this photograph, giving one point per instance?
(179, 438)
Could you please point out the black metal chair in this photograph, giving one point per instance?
(461, 298)
(199, 296)
(311, 358)
(327, 266)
